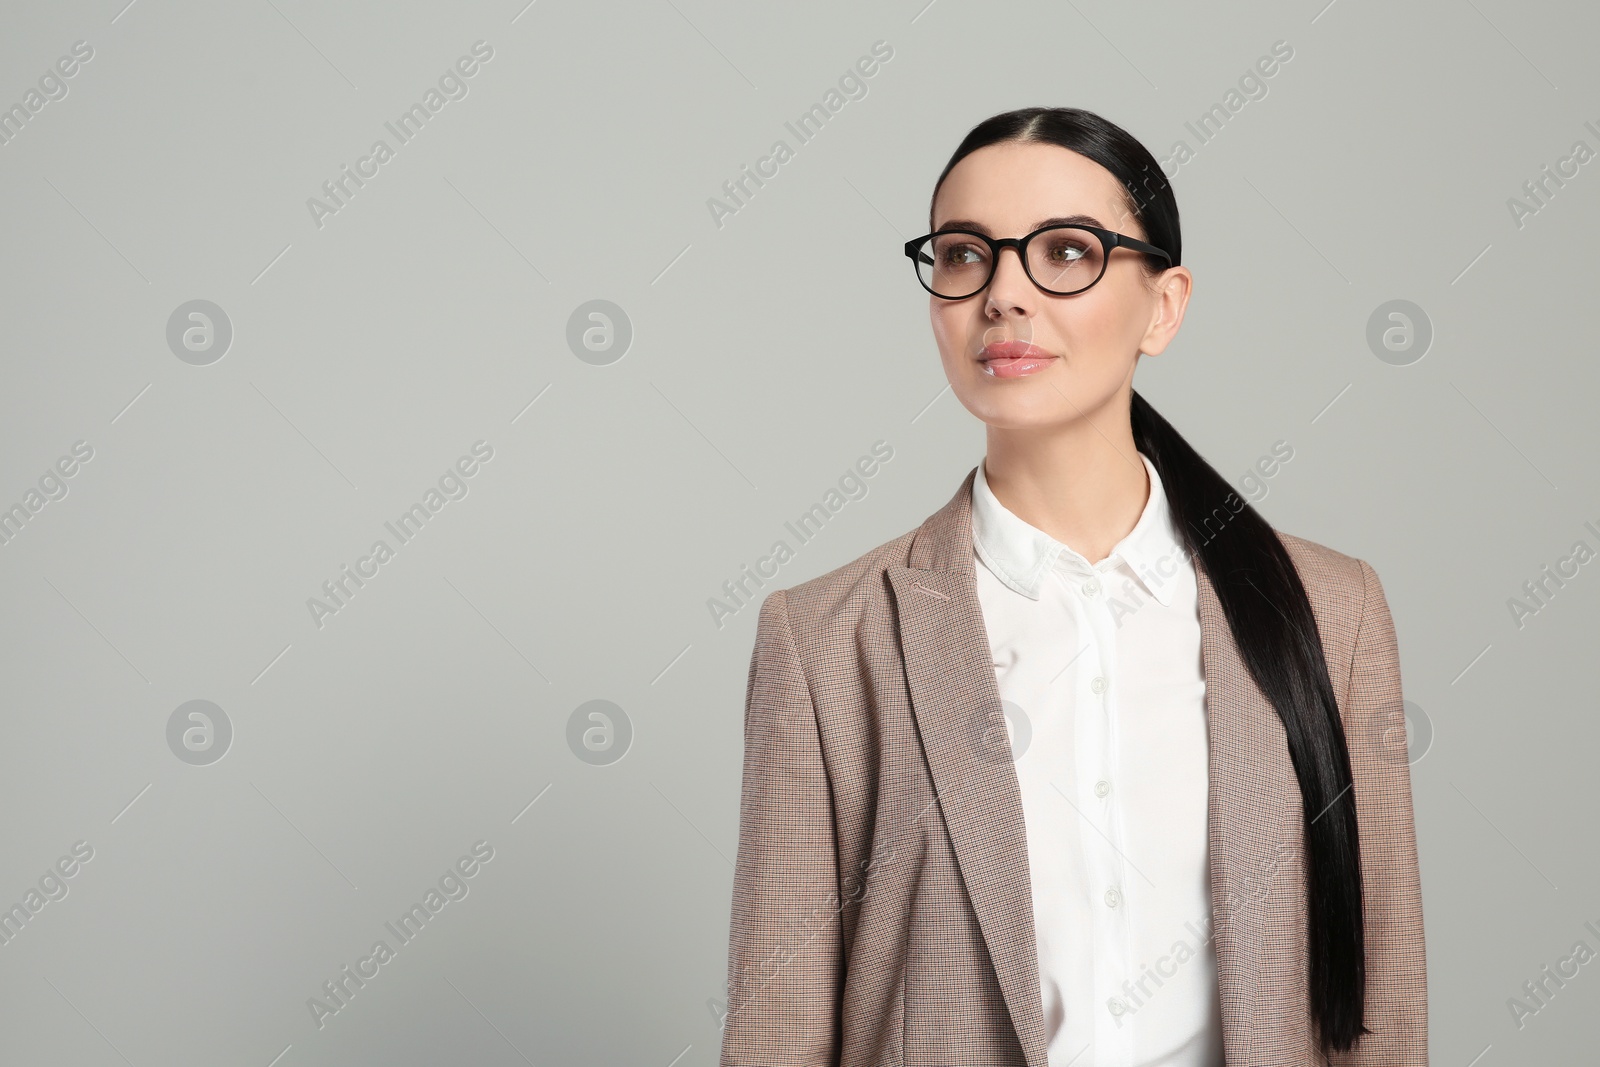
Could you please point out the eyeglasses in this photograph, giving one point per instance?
(955, 264)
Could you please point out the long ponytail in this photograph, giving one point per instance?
(1270, 617)
(1257, 585)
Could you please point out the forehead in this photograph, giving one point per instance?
(1010, 187)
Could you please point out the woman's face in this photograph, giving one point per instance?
(1091, 340)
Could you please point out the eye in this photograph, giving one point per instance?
(1066, 250)
(960, 254)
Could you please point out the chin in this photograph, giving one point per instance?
(1015, 412)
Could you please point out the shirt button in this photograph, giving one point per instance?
(1102, 787)
(1091, 587)
(1115, 1005)
(1098, 685)
(1113, 898)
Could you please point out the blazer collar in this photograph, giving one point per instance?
(1253, 800)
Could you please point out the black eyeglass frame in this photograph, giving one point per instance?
(1109, 239)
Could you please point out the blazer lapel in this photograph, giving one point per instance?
(955, 698)
(1255, 835)
(1234, 818)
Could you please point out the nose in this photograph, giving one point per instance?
(1010, 290)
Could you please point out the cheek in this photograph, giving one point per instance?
(949, 329)
(1104, 327)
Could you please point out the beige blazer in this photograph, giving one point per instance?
(881, 900)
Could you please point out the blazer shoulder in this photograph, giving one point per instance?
(841, 595)
(1329, 570)
(1342, 589)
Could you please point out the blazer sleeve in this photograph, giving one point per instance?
(1397, 981)
(784, 955)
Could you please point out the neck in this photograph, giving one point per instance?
(1083, 484)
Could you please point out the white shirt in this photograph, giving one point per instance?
(1100, 677)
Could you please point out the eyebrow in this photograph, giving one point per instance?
(1059, 220)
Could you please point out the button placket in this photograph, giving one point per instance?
(1103, 849)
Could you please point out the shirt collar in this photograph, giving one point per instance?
(1021, 555)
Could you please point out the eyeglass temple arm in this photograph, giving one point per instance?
(1140, 246)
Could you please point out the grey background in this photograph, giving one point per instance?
(432, 311)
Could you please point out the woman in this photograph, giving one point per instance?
(1093, 767)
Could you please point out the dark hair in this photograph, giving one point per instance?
(1255, 581)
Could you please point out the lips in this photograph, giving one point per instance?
(1013, 359)
(1013, 350)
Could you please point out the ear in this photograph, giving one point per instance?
(1172, 298)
